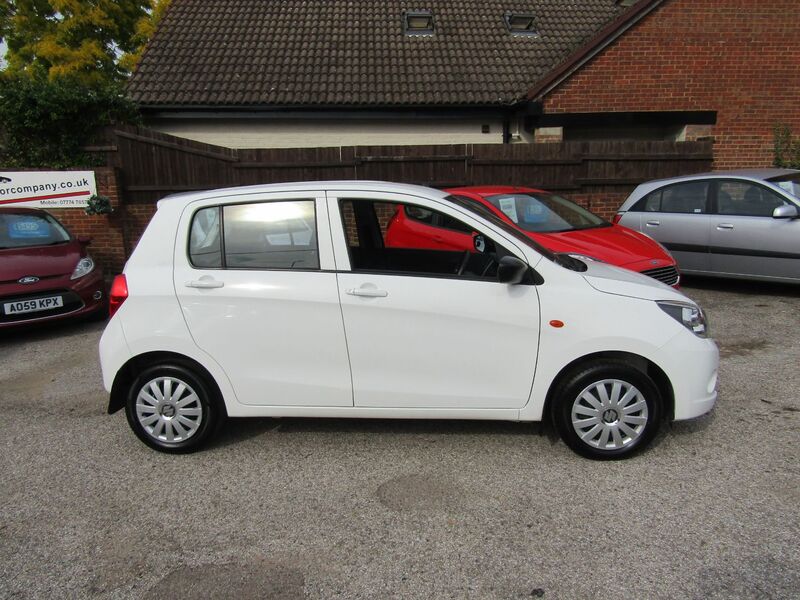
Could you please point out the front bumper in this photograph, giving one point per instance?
(692, 365)
(82, 297)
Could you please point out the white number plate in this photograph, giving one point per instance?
(26, 306)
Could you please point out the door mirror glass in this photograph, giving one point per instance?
(511, 270)
(785, 212)
(479, 243)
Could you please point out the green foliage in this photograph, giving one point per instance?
(98, 205)
(787, 148)
(77, 39)
(45, 123)
(145, 28)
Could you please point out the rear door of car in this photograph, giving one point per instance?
(256, 281)
(745, 239)
(677, 215)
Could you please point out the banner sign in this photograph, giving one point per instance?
(47, 189)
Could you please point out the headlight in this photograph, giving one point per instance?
(585, 257)
(84, 267)
(688, 315)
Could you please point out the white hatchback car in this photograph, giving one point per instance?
(283, 300)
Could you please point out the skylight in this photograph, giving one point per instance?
(521, 23)
(418, 22)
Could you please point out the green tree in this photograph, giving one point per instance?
(787, 148)
(46, 123)
(145, 28)
(77, 39)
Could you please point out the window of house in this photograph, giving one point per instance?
(416, 240)
(746, 199)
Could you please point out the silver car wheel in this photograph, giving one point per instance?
(168, 409)
(609, 414)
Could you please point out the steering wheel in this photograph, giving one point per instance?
(464, 262)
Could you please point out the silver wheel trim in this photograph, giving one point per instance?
(609, 414)
(169, 410)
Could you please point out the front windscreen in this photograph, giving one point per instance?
(23, 229)
(545, 213)
(478, 208)
(788, 183)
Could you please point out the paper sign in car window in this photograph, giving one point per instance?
(28, 227)
(535, 211)
(509, 208)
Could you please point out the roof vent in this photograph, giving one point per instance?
(418, 22)
(521, 23)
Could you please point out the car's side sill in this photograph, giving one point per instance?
(356, 412)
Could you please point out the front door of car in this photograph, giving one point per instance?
(430, 328)
(256, 285)
(746, 239)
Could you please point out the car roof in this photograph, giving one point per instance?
(300, 186)
(490, 190)
(749, 174)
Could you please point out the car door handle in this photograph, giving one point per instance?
(205, 284)
(367, 292)
(653, 223)
(724, 226)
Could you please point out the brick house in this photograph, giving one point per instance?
(307, 73)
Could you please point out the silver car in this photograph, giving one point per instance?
(742, 224)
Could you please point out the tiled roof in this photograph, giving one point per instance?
(354, 52)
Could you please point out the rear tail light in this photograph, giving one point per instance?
(118, 294)
(616, 218)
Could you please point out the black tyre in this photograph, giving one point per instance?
(607, 409)
(173, 409)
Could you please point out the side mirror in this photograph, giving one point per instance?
(84, 240)
(479, 242)
(511, 270)
(785, 212)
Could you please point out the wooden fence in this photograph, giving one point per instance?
(154, 164)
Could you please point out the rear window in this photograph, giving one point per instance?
(261, 235)
(687, 198)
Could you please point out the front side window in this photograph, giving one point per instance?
(23, 230)
(746, 199)
(686, 198)
(545, 213)
(448, 247)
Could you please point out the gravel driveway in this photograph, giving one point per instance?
(297, 508)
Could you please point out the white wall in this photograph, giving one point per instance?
(255, 133)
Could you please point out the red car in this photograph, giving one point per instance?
(554, 222)
(45, 273)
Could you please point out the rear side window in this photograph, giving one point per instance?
(205, 250)
(686, 198)
(264, 235)
(271, 235)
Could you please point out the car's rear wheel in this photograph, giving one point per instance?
(172, 409)
(607, 410)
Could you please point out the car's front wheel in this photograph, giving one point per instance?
(172, 409)
(607, 409)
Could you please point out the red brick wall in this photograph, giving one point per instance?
(107, 231)
(737, 57)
